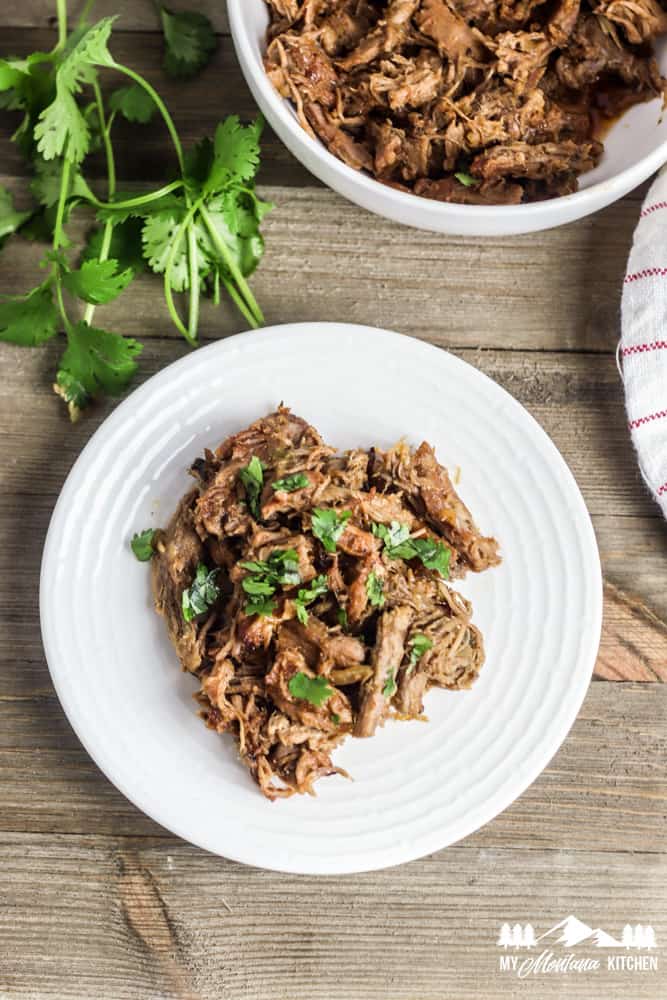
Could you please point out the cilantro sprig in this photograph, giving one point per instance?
(142, 544)
(200, 232)
(418, 645)
(252, 478)
(307, 595)
(281, 569)
(328, 525)
(375, 590)
(315, 690)
(201, 594)
(289, 484)
(398, 545)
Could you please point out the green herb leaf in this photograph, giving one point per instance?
(291, 483)
(29, 320)
(389, 689)
(95, 361)
(134, 103)
(306, 596)
(190, 41)
(235, 154)
(418, 644)
(158, 234)
(97, 281)
(125, 246)
(315, 690)
(375, 590)
(341, 617)
(328, 525)
(142, 544)
(10, 219)
(260, 606)
(399, 545)
(252, 478)
(467, 179)
(335, 718)
(201, 594)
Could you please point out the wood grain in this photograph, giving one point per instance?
(96, 900)
(133, 920)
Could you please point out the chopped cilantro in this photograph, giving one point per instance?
(264, 606)
(389, 689)
(265, 576)
(466, 179)
(375, 590)
(342, 618)
(252, 478)
(307, 595)
(201, 594)
(419, 644)
(315, 690)
(291, 483)
(399, 545)
(335, 718)
(328, 525)
(142, 544)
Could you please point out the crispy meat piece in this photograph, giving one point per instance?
(539, 162)
(300, 647)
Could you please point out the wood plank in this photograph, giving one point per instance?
(577, 399)
(606, 789)
(634, 640)
(104, 917)
(133, 15)
(502, 294)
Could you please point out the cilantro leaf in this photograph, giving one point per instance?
(466, 179)
(399, 545)
(142, 544)
(375, 590)
(97, 281)
(125, 245)
(314, 690)
(328, 525)
(29, 320)
(47, 181)
(305, 596)
(10, 219)
(95, 361)
(281, 567)
(235, 154)
(418, 644)
(158, 233)
(190, 41)
(341, 618)
(62, 129)
(389, 689)
(291, 483)
(260, 606)
(252, 478)
(202, 593)
(246, 249)
(134, 103)
(335, 718)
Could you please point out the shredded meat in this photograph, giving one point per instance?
(442, 97)
(291, 664)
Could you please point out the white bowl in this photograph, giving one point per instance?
(635, 147)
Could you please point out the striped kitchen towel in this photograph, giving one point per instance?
(643, 347)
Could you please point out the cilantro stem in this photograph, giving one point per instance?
(239, 303)
(162, 108)
(62, 200)
(105, 128)
(61, 8)
(193, 311)
(234, 270)
(85, 11)
(189, 335)
(141, 199)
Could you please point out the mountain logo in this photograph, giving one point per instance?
(571, 932)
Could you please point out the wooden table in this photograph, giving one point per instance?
(99, 901)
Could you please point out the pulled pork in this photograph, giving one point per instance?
(445, 97)
(308, 592)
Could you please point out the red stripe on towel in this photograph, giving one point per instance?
(647, 420)
(652, 208)
(654, 345)
(662, 489)
(648, 272)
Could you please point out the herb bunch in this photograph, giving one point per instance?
(200, 232)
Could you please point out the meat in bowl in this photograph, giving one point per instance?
(309, 592)
(468, 101)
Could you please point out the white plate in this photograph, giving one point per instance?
(417, 787)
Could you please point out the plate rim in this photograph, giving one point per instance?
(544, 751)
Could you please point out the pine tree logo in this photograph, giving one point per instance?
(572, 932)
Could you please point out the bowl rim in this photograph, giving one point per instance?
(601, 192)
